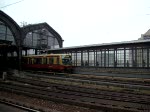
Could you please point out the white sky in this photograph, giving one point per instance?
(84, 22)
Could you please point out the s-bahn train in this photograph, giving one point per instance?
(50, 62)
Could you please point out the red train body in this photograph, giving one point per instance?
(50, 62)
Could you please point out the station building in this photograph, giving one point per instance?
(16, 41)
(117, 57)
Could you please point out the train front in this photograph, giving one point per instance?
(67, 63)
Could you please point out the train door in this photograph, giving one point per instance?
(56, 60)
(44, 60)
(50, 60)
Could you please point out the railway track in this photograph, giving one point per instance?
(80, 96)
(137, 81)
(95, 81)
(81, 92)
(18, 105)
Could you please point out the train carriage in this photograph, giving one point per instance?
(51, 62)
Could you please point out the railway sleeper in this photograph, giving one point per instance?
(56, 99)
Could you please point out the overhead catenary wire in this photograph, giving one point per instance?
(11, 4)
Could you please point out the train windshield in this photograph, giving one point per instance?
(66, 60)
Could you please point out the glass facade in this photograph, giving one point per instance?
(78, 59)
(6, 34)
(113, 57)
(41, 39)
(120, 57)
(85, 60)
(74, 58)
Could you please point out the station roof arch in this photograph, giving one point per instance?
(32, 27)
(13, 26)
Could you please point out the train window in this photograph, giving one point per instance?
(57, 60)
(66, 60)
(51, 60)
(37, 60)
(30, 60)
(44, 60)
(25, 60)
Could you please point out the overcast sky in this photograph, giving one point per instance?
(84, 22)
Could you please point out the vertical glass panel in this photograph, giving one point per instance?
(149, 57)
(42, 39)
(134, 62)
(98, 63)
(120, 57)
(2, 29)
(31, 51)
(50, 42)
(103, 58)
(56, 42)
(28, 39)
(78, 59)
(56, 46)
(144, 61)
(107, 56)
(8, 31)
(23, 53)
(95, 58)
(128, 57)
(10, 38)
(6, 34)
(85, 58)
(111, 58)
(91, 58)
(2, 36)
(9, 54)
(15, 53)
(47, 32)
(35, 39)
(139, 57)
(74, 59)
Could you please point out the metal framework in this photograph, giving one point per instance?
(11, 32)
(42, 32)
(132, 54)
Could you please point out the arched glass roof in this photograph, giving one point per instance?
(41, 39)
(36, 36)
(9, 30)
(6, 34)
(41, 36)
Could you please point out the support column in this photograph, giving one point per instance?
(26, 52)
(125, 57)
(148, 57)
(76, 58)
(19, 56)
(88, 56)
(35, 51)
(94, 58)
(82, 58)
(104, 57)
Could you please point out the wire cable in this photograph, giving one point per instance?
(11, 4)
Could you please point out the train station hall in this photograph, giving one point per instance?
(16, 41)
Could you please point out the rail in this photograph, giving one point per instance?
(82, 97)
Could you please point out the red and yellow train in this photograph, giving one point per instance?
(50, 62)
